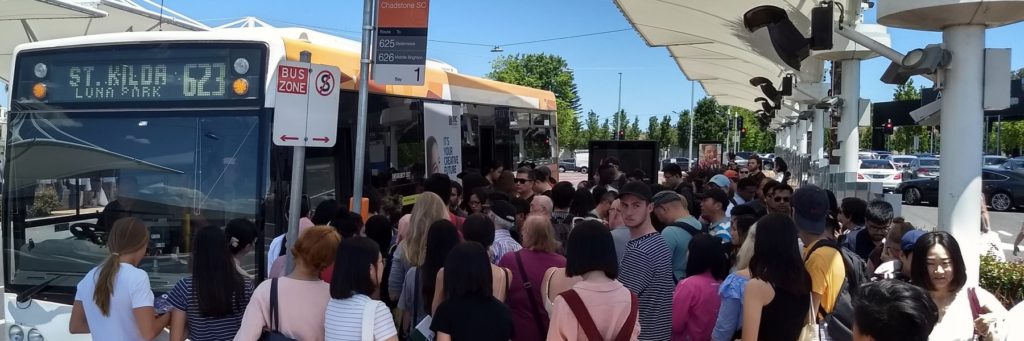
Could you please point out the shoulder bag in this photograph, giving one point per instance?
(579, 310)
(369, 314)
(273, 334)
(538, 316)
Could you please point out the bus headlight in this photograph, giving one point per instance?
(40, 70)
(16, 333)
(35, 335)
(39, 90)
(240, 87)
(241, 66)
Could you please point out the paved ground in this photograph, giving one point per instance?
(1006, 224)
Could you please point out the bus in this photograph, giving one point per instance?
(174, 128)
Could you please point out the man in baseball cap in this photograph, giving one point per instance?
(719, 181)
(646, 265)
(824, 264)
(713, 204)
(504, 216)
(673, 210)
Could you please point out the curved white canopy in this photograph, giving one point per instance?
(710, 44)
(23, 21)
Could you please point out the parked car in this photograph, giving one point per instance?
(882, 171)
(767, 161)
(683, 162)
(882, 154)
(902, 161)
(993, 161)
(1003, 189)
(923, 167)
(566, 165)
(1014, 164)
(582, 161)
(867, 156)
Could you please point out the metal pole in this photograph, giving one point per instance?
(818, 139)
(692, 114)
(960, 184)
(873, 45)
(295, 192)
(369, 8)
(619, 123)
(999, 135)
(849, 136)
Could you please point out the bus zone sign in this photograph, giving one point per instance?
(306, 104)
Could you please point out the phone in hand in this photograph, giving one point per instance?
(162, 305)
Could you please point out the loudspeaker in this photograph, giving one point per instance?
(821, 28)
(787, 86)
(790, 45)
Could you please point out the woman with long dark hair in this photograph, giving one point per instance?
(937, 266)
(478, 228)
(582, 203)
(209, 304)
(241, 236)
(356, 279)
(114, 298)
(470, 311)
(777, 298)
(418, 292)
(695, 301)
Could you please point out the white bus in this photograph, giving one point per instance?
(174, 128)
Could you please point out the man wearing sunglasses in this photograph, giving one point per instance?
(778, 201)
(524, 184)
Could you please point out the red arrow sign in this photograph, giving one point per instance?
(289, 138)
(322, 139)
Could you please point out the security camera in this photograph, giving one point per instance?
(759, 81)
(829, 103)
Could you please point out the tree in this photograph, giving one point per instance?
(1018, 74)
(666, 133)
(683, 129)
(594, 127)
(633, 131)
(606, 131)
(548, 72)
(653, 129)
(906, 92)
(903, 138)
(757, 139)
(709, 122)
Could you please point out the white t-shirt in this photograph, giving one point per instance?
(131, 290)
(957, 324)
(344, 320)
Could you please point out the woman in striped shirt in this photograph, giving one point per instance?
(356, 278)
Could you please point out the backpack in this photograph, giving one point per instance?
(562, 226)
(692, 230)
(840, 321)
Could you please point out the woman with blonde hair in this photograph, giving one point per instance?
(411, 251)
(298, 309)
(114, 297)
(528, 265)
(730, 311)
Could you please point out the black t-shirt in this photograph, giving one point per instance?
(473, 318)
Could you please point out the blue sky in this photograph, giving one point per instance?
(652, 84)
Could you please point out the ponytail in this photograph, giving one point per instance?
(128, 235)
(105, 282)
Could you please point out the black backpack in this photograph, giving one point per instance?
(692, 230)
(562, 227)
(840, 320)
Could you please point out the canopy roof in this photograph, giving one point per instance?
(710, 44)
(23, 21)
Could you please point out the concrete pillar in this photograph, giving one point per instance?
(801, 138)
(818, 139)
(794, 137)
(962, 113)
(848, 135)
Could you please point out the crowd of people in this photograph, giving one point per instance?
(501, 255)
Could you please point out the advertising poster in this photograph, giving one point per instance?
(442, 138)
(709, 155)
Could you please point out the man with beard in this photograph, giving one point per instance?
(877, 219)
(778, 199)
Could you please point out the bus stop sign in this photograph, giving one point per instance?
(306, 110)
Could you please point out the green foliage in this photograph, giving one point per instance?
(606, 131)
(906, 92)
(1011, 139)
(757, 139)
(549, 72)
(653, 129)
(45, 202)
(902, 139)
(1018, 74)
(633, 132)
(865, 137)
(1002, 279)
(683, 129)
(666, 133)
(709, 122)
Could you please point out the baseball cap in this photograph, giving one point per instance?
(503, 210)
(665, 197)
(810, 207)
(718, 194)
(910, 238)
(731, 174)
(636, 188)
(721, 180)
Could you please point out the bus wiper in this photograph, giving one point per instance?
(27, 294)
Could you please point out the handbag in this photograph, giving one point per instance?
(810, 330)
(420, 331)
(273, 334)
(369, 313)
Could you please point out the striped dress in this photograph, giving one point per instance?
(200, 328)
(646, 269)
(344, 319)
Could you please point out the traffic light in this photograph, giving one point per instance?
(887, 127)
(622, 134)
(743, 132)
(740, 128)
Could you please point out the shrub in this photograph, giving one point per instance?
(45, 202)
(1005, 280)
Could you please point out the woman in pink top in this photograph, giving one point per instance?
(696, 301)
(301, 296)
(611, 307)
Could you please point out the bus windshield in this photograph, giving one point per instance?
(72, 174)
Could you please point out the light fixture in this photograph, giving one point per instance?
(790, 45)
(39, 91)
(240, 87)
(241, 66)
(497, 49)
(926, 60)
(40, 70)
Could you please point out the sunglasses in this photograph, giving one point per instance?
(744, 172)
(781, 199)
(522, 181)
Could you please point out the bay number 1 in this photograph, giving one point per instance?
(417, 74)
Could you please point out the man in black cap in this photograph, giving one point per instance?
(713, 203)
(824, 264)
(504, 216)
(646, 266)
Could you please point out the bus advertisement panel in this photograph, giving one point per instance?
(442, 138)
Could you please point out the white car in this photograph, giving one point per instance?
(882, 171)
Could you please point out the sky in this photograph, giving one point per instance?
(652, 83)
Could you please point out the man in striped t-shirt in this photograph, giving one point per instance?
(646, 265)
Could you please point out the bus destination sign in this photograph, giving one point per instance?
(186, 74)
(401, 45)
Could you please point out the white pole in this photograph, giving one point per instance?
(801, 131)
(818, 139)
(295, 192)
(960, 183)
(692, 114)
(849, 137)
(369, 7)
